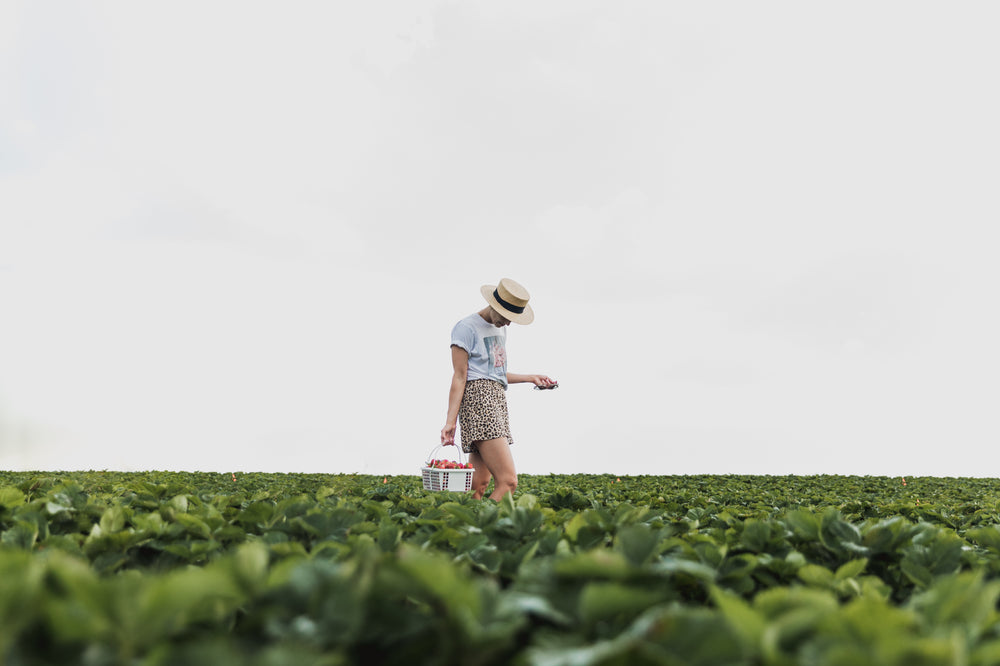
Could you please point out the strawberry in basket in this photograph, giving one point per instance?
(448, 464)
(438, 474)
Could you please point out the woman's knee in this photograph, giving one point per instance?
(508, 481)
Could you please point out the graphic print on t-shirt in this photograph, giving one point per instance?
(498, 355)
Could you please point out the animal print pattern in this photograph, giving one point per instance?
(483, 414)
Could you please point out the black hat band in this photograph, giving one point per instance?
(513, 308)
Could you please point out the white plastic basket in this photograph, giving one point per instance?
(454, 480)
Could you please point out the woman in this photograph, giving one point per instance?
(476, 398)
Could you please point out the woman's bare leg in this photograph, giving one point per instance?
(495, 456)
(481, 477)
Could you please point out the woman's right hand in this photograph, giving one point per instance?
(448, 435)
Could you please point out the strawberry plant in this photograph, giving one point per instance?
(159, 567)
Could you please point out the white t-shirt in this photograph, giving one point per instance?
(487, 347)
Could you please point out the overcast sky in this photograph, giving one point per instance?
(759, 237)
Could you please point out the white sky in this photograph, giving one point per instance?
(758, 236)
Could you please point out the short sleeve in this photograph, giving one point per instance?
(463, 336)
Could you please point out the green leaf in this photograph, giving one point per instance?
(11, 497)
(568, 498)
(513, 560)
(250, 565)
(582, 531)
(22, 596)
(935, 551)
(709, 552)
(777, 602)
(680, 567)
(149, 524)
(288, 549)
(519, 523)
(22, 535)
(803, 524)
(574, 525)
(986, 653)
(506, 504)
(917, 573)
(461, 512)
(851, 569)
(83, 611)
(54, 509)
(113, 519)
(689, 636)
(486, 557)
(527, 501)
(598, 564)
(756, 535)
(739, 565)
(256, 513)
(442, 579)
(783, 567)
(193, 525)
(795, 615)
(888, 535)
(816, 576)
(987, 537)
(63, 542)
(837, 534)
(964, 600)
(745, 622)
(519, 604)
(605, 600)
(324, 492)
(109, 561)
(595, 654)
(638, 543)
(167, 605)
(179, 503)
(388, 536)
(878, 628)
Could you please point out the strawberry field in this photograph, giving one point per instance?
(197, 568)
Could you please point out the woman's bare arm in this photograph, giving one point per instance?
(460, 364)
(538, 380)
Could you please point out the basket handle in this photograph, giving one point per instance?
(430, 456)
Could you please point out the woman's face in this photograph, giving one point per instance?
(498, 319)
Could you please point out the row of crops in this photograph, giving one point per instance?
(190, 568)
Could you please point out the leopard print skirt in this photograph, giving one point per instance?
(483, 414)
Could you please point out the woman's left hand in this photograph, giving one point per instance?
(543, 381)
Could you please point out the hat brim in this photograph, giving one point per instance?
(525, 317)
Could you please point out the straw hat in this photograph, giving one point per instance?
(509, 299)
